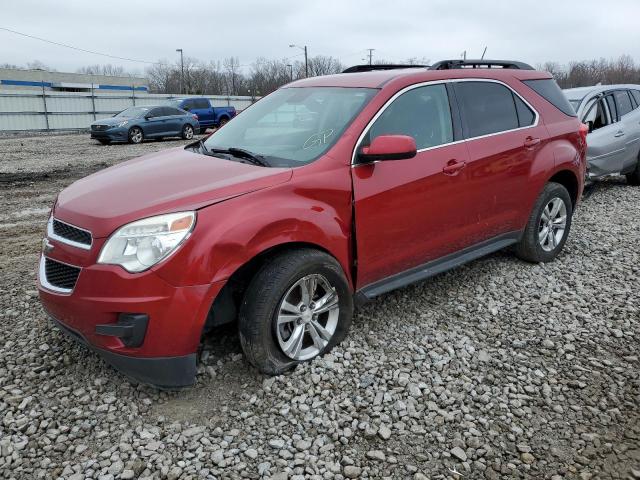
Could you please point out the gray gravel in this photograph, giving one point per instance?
(498, 369)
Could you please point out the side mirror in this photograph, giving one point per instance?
(388, 147)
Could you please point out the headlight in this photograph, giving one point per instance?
(123, 123)
(140, 245)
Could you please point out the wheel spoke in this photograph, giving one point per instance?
(289, 307)
(557, 204)
(318, 341)
(552, 238)
(560, 221)
(284, 318)
(545, 214)
(321, 330)
(543, 234)
(294, 343)
(326, 303)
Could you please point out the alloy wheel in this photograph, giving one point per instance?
(553, 224)
(188, 132)
(136, 135)
(307, 317)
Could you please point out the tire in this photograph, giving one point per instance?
(187, 132)
(105, 141)
(223, 121)
(531, 248)
(136, 135)
(633, 178)
(283, 277)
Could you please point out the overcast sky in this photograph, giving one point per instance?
(531, 31)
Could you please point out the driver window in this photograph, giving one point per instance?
(596, 116)
(422, 113)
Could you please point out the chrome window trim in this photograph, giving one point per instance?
(437, 82)
(42, 275)
(52, 235)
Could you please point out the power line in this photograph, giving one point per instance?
(80, 49)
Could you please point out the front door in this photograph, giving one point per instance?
(408, 212)
(606, 148)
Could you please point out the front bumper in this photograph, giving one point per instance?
(161, 372)
(166, 354)
(118, 134)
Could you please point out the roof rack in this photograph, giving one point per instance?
(451, 64)
(369, 68)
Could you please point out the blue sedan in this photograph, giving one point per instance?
(136, 124)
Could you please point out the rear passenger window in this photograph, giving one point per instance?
(201, 103)
(623, 102)
(636, 95)
(526, 117)
(422, 113)
(486, 107)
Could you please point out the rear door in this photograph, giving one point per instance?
(408, 212)
(153, 126)
(503, 135)
(174, 120)
(605, 141)
(630, 121)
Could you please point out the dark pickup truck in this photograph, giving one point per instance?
(208, 115)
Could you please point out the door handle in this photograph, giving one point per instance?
(453, 167)
(531, 142)
(619, 133)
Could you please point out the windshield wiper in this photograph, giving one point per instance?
(241, 153)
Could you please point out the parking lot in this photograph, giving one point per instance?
(498, 369)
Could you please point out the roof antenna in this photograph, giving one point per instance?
(485, 51)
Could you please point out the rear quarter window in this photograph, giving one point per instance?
(623, 102)
(550, 91)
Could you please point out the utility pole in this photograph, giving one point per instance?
(306, 58)
(181, 70)
(370, 54)
(485, 51)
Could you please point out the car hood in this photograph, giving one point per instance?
(163, 182)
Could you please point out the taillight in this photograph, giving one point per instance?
(584, 131)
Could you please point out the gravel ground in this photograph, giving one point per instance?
(498, 369)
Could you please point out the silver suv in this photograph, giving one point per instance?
(612, 113)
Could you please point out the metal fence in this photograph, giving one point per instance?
(47, 110)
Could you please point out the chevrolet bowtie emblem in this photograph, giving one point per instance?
(47, 246)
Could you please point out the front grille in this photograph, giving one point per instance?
(69, 232)
(99, 127)
(61, 275)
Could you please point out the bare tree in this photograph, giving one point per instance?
(108, 69)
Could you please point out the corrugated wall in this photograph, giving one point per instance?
(28, 110)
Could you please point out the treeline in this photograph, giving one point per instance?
(229, 77)
(592, 72)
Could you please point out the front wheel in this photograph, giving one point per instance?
(223, 121)
(136, 135)
(187, 132)
(548, 226)
(297, 307)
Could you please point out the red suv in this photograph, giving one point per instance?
(328, 192)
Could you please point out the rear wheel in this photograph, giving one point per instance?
(633, 178)
(187, 132)
(548, 226)
(298, 306)
(223, 122)
(136, 135)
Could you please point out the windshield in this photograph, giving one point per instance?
(293, 126)
(133, 112)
